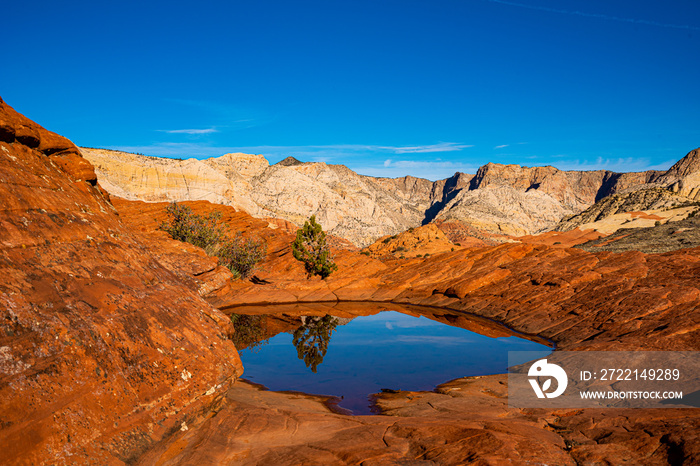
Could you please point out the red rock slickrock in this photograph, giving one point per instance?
(468, 236)
(425, 240)
(103, 350)
(561, 239)
(579, 300)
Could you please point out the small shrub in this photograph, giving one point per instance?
(402, 256)
(657, 223)
(400, 249)
(452, 249)
(419, 255)
(411, 229)
(239, 255)
(457, 244)
(186, 226)
(364, 253)
(386, 240)
(557, 242)
(310, 247)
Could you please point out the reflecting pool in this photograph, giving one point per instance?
(351, 350)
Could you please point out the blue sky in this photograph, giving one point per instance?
(387, 88)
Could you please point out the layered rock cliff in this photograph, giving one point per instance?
(354, 207)
(661, 194)
(499, 199)
(104, 350)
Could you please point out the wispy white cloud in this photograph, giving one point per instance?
(441, 147)
(434, 340)
(189, 131)
(501, 146)
(598, 15)
(431, 170)
(420, 164)
(325, 153)
(620, 164)
(424, 149)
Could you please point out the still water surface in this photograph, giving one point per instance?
(387, 350)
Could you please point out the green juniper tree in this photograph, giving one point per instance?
(310, 247)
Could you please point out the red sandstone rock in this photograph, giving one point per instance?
(582, 301)
(103, 350)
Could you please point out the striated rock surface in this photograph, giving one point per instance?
(104, 350)
(498, 200)
(514, 200)
(535, 287)
(574, 189)
(504, 210)
(665, 237)
(109, 355)
(683, 177)
(580, 300)
(641, 200)
(661, 196)
(425, 240)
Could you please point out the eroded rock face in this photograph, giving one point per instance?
(357, 208)
(664, 237)
(640, 200)
(499, 199)
(653, 194)
(504, 210)
(103, 350)
(684, 176)
(106, 347)
(425, 240)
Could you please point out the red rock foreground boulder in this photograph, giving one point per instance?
(103, 350)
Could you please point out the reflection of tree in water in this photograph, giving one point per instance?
(312, 338)
(250, 331)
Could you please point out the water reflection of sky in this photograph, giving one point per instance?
(385, 350)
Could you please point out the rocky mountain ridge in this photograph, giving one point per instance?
(501, 199)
